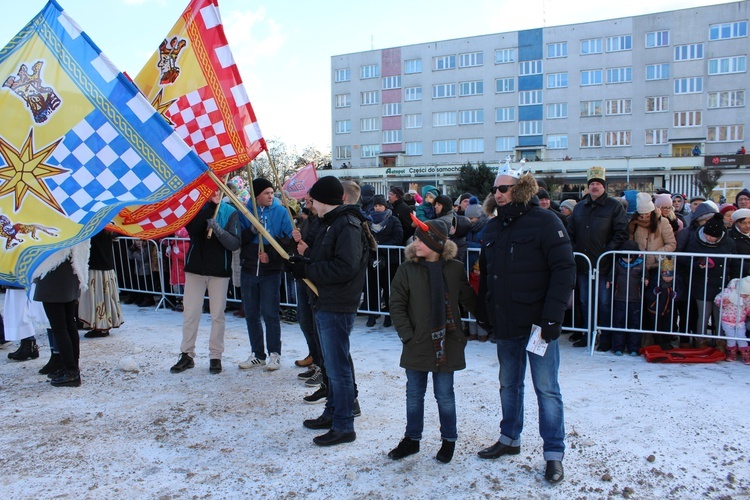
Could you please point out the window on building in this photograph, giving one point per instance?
(475, 145)
(412, 66)
(591, 108)
(343, 100)
(369, 71)
(591, 140)
(413, 148)
(392, 109)
(656, 136)
(391, 82)
(617, 138)
(370, 97)
(531, 127)
(444, 147)
(343, 75)
(557, 141)
(725, 133)
(657, 39)
(530, 97)
(443, 90)
(692, 85)
(726, 99)
(369, 150)
(619, 106)
(505, 56)
(503, 85)
(471, 117)
(557, 80)
(591, 77)
(526, 68)
(726, 65)
(657, 104)
(343, 152)
(444, 119)
(471, 88)
(505, 143)
(557, 49)
(619, 43)
(470, 59)
(413, 94)
(391, 136)
(657, 71)
(723, 31)
(343, 126)
(369, 124)
(557, 110)
(688, 52)
(619, 75)
(688, 119)
(591, 46)
(505, 114)
(445, 62)
(413, 120)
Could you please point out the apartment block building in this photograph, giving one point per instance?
(647, 86)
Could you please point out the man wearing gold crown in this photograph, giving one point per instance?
(527, 273)
(598, 224)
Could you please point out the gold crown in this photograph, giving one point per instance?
(596, 173)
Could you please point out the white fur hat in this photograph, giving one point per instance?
(643, 203)
(742, 213)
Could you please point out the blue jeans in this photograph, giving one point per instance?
(442, 385)
(512, 356)
(626, 315)
(306, 321)
(261, 297)
(333, 330)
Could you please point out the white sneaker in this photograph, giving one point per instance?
(252, 362)
(274, 362)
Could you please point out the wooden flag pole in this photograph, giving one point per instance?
(255, 222)
(284, 198)
(216, 212)
(255, 203)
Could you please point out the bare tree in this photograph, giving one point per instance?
(706, 180)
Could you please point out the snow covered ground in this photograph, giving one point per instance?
(634, 429)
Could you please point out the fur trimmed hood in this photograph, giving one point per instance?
(79, 258)
(450, 250)
(523, 192)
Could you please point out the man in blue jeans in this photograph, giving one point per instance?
(260, 279)
(336, 265)
(527, 273)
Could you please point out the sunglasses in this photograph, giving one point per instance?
(502, 188)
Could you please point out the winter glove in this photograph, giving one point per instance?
(298, 263)
(212, 224)
(484, 325)
(551, 330)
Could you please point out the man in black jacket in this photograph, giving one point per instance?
(527, 273)
(402, 211)
(598, 224)
(336, 265)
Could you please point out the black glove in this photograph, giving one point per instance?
(484, 325)
(298, 263)
(551, 330)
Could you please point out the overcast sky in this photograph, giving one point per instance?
(283, 48)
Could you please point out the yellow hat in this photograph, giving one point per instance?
(598, 174)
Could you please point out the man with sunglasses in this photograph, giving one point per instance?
(527, 273)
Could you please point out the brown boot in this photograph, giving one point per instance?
(721, 345)
(745, 353)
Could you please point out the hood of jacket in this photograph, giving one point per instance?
(450, 250)
(523, 192)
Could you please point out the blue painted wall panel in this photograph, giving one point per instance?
(533, 82)
(526, 113)
(531, 44)
(530, 140)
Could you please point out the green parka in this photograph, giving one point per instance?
(410, 311)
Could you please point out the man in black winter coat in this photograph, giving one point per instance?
(402, 211)
(527, 273)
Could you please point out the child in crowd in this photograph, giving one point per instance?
(176, 253)
(425, 297)
(660, 300)
(734, 302)
(628, 280)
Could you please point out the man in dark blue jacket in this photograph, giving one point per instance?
(527, 273)
(336, 265)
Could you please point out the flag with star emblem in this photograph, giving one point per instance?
(193, 81)
(78, 142)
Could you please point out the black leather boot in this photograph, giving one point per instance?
(52, 365)
(27, 350)
(69, 378)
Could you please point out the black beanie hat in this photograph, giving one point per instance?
(379, 199)
(328, 190)
(260, 184)
(398, 192)
(435, 236)
(542, 194)
(714, 226)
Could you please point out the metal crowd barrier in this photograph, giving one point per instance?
(688, 317)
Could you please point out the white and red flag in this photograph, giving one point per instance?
(193, 81)
(300, 183)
